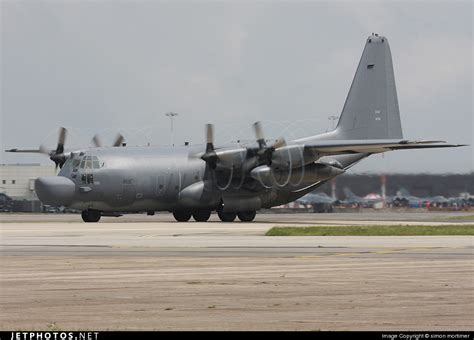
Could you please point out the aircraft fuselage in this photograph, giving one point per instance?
(138, 179)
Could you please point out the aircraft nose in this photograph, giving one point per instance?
(55, 190)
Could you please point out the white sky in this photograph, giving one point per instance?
(107, 66)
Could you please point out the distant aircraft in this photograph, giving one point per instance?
(233, 180)
(320, 201)
(439, 201)
(404, 199)
(354, 200)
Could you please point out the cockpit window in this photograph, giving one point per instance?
(67, 164)
(90, 162)
(95, 163)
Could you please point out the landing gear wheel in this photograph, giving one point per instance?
(91, 215)
(246, 216)
(226, 216)
(182, 216)
(202, 215)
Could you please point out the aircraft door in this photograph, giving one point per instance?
(160, 185)
(129, 191)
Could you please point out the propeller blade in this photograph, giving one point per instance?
(45, 150)
(259, 134)
(209, 137)
(119, 140)
(96, 141)
(265, 153)
(62, 135)
(61, 140)
(27, 150)
(210, 156)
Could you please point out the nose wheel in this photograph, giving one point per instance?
(90, 215)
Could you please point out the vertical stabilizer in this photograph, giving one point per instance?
(371, 108)
(348, 193)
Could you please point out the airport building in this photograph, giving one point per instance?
(18, 180)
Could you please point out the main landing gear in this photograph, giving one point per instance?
(199, 216)
(204, 215)
(246, 216)
(90, 215)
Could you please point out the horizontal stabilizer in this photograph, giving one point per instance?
(372, 146)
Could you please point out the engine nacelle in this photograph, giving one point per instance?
(311, 173)
(199, 194)
(290, 156)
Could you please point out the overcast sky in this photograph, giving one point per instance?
(103, 66)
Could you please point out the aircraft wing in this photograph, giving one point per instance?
(372, 146)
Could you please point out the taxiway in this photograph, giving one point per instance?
(147, 273)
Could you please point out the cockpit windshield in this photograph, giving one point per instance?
(90, 162)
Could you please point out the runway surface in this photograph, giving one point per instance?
(150, 273)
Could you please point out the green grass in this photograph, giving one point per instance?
(374, 230)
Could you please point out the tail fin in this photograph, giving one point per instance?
(348, 193)
(371, 108)
(403, 192)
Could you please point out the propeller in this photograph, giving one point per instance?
(57, 156)
(265, 153)
(253, 161)
(98, 143)
(118, 140)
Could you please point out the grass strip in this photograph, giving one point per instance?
(375, 230)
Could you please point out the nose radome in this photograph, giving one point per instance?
(55, 190)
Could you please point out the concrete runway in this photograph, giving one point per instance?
(146, 273)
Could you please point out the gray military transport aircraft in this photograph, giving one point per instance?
(232, 180)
